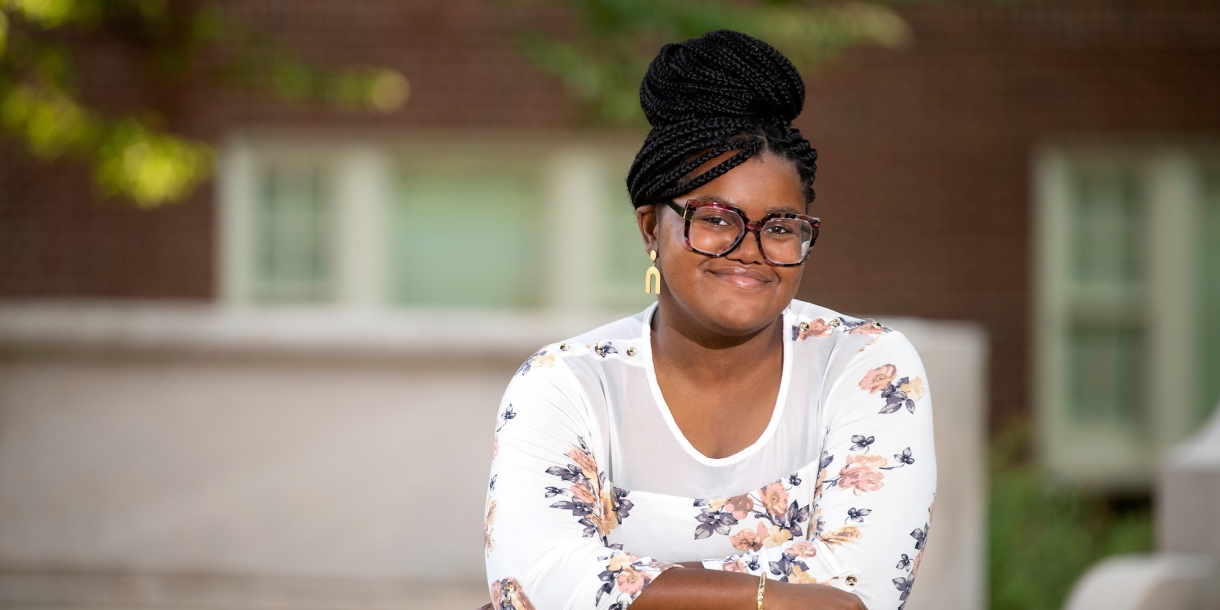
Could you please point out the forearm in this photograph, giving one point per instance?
(694, 588)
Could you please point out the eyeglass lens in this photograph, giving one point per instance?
(715, 231)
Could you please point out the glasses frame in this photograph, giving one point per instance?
(687, 211)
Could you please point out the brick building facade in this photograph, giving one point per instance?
(925, 182)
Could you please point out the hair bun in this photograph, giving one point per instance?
(721, 74)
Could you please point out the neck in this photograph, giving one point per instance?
(682, 344)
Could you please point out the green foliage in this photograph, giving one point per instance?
(602, 64)
(149, 166)
(1041, 539)
(135, 156)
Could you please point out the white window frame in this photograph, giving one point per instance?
(1173, 176)
(575, 168)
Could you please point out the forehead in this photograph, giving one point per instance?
(764, 183)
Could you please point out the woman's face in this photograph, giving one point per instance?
(737, 294)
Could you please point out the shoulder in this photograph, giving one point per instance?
(852, 344)
(624, 330)
(589, 351)
(571, 360)
(557, 384)
(811, 321)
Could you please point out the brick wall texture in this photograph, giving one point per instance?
(925, 154)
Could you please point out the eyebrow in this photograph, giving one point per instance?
(787, 209)
(782, 209)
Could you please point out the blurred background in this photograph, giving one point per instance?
(266, 267)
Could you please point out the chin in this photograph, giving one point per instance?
(739, 312)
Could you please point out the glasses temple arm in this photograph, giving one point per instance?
(681, 210)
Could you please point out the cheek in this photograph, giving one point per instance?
(678, 265)
(673, 253)
(672, 233)
(790, 276)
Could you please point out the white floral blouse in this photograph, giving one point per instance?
(594, 491)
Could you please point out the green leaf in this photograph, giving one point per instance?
(134, 156)
(602, 65)
(3, 33)
(150, 167)
(50, 122)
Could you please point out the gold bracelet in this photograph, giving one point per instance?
(762, 586)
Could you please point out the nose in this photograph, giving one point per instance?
(749, 251)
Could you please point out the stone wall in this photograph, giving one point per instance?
(924, 174)
(168, 456)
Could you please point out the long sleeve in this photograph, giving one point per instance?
(873, 496)
(549, 504)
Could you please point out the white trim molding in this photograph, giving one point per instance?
(577, 178)
(1160, 308)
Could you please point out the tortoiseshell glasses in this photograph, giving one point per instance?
(716, 229)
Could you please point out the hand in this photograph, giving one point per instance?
(788, 596)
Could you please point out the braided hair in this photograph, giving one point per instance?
(722, 92)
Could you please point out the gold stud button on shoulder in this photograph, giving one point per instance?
(804, 325)
(510, 586)
(631, 351)
(851, 580)
(564, 347)
(836, 322)
(877, 325)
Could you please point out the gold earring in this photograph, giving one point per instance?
(652, 274)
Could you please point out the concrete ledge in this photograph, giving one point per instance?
(1147, 582)
(202, 592)
(83, 326)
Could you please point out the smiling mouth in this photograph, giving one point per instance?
(741, 277)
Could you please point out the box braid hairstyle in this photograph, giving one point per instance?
(724, 91)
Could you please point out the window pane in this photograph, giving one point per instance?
(1105, 221)
(1105, 376)
(1209, 311)
(625, 261)
(466, 236)
(294, 245)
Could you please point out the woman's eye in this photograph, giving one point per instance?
(715, 221)
(778, 230)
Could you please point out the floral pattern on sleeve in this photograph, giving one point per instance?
(911, 566)
(542, 357)
(626, 575)
(864, 327)
(862, 471)
(824, 327)
(603, 349)
(489, 544)
(898, 393)
(815, 328)
(507, 415)
(600, 506)
(773, 521)
(776, 519)
(507, 594)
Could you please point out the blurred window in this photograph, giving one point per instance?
(479, 224)
(1127, 325)
(1104, 309)
(1210, 283)
(294, 258)
(1107, 210)
(467, 233)
(624, 259)
(1105, 370)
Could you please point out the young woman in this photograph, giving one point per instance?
(729, 447)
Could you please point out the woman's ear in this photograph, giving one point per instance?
(646, 218)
